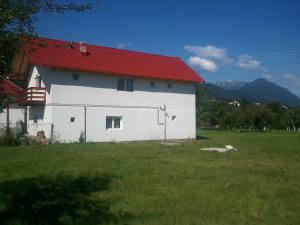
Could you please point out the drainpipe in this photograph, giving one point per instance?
(25, 120)
(84, 123)
(7, 118)
(165, 122)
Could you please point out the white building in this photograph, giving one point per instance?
(235, 103)
(103, 94)
(13, 112)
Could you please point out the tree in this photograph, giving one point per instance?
(17, 19)
(262, 118)
(292, 118)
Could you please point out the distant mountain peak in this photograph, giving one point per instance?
(230, 85)
(259, 90)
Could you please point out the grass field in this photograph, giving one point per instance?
(150, 183)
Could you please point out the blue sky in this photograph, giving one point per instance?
(221, 40)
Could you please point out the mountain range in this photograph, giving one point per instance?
(230, 85)
(259, 90)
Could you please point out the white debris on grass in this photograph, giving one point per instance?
(229, 147)
(217, 149)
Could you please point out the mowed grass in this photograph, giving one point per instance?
(150, 183)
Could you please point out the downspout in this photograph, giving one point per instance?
(25, 120)
(84, 123)
(164, 109)
(165, 123)
(7, 119)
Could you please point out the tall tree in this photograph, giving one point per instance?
(17, 18)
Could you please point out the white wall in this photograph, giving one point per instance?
(66, 98)
(39, 118)
(39, 115)
(16, 113)
(138, 124)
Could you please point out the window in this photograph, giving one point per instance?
(121, 85)
(125, 85)
(117, 122)
(129, 84)
(152, 84)
(169, 85)
(72, 119)
(75, 76)
(109, 122)
(113, 122)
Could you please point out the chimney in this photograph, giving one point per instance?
(82, 47)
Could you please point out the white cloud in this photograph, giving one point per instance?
(204, 64)
(267, 76)
(248, 62)
(124, 45)
(292, 78)
(208, 51)
(207, 57)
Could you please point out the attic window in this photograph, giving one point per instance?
(125, 85)
(75, 76)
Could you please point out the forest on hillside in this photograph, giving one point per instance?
(219, 114)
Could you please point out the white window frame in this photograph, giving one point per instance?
(113, 122)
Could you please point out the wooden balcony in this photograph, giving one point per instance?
(34, 96)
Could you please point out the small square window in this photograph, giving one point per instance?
(113, 122)
(169, 85)
(75, 76)
(152, 84)
(72, 119)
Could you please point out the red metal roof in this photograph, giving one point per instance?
(9, 88)
(62, 54)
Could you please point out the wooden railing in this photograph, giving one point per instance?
(34, 95)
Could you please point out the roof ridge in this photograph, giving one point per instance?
(57, 54)
(114, 48)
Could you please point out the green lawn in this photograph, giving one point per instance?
(150, 183)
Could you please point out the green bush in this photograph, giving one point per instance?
(9, 139)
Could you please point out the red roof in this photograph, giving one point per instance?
(9, 88)
(62, 54)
